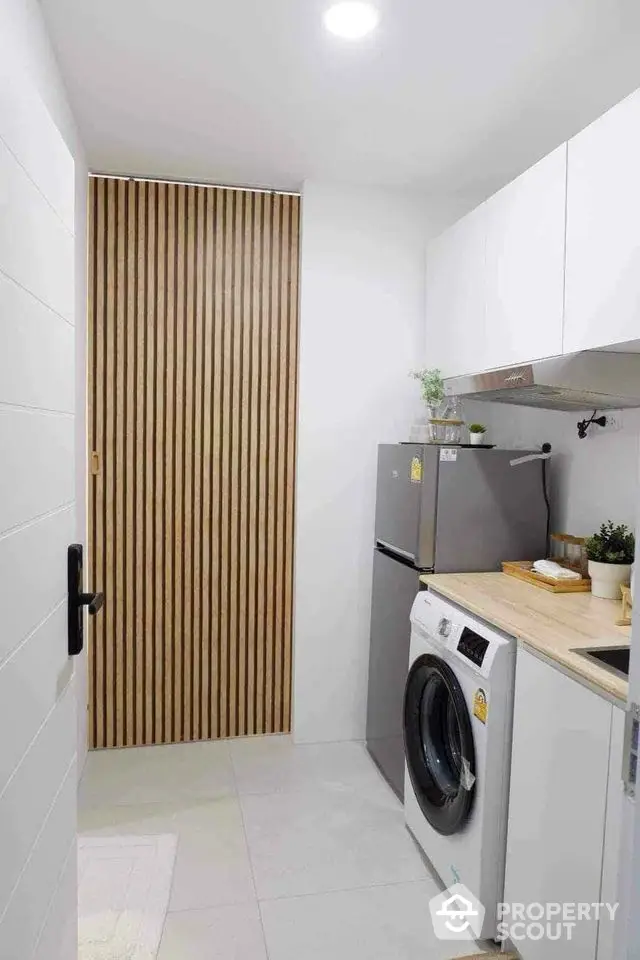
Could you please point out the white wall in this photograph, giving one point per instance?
(591, 480)
(25, 44)
(361, 332)
(39, 184)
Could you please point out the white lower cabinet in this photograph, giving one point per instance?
(563, 790)
(612, 836)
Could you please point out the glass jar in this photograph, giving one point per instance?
(453, 416)
(433, 414)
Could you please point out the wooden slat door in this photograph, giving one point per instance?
(193, 378)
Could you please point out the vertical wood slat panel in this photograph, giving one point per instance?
(169, 457)
(109, 461)
(120, 431)
(159, 460)
(193, 390)
(138, 642)
(207, 395)
(178, 474)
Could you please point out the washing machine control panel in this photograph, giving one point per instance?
(472, 646)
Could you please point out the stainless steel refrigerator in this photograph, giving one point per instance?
(443, 510)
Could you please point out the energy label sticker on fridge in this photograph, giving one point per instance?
(448, 455)
(416, 470)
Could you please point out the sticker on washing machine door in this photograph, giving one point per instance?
(480, 705)
(416, 470)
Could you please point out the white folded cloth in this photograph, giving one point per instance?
(550, 569)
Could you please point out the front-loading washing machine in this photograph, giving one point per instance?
(458, 718)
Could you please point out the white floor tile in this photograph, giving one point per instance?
(311, 830)
(226, 933)
(157, 774)
(331, 839)
(380, 923)
(276, 765)
(212, 864)
(124, 884)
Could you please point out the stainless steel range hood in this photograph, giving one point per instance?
(579, 381)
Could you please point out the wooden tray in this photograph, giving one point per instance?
(523, 570)
(627, 605)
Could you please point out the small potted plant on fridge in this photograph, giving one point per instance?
(610, 553)
(477, 434)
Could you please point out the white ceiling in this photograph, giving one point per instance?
(451, 96)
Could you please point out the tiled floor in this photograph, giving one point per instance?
(284, 852)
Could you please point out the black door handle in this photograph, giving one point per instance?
(92, 600)
(78, 599)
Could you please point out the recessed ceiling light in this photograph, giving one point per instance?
(351, 20)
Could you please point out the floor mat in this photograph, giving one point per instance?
(124, 888)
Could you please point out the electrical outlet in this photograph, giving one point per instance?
(614, 422)
(591, 429)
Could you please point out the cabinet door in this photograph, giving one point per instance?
(612, 836)
(602, 303)
(525, 265)
(557, 801)
(455, 296)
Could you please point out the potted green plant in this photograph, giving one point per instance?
(610, 553)
(431, 388)
(477, 433)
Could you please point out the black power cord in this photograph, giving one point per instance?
(546, 448)
(583, 425)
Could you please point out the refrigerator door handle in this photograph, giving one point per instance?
(389, 547)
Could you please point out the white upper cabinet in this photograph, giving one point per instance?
(495, 280)
(602, 304)
(550, 264)
(525, 265)
(456, 296)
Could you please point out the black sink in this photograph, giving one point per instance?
(614, 659)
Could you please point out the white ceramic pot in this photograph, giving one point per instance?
(607, 578)
(477, 439)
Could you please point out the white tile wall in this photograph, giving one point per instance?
(25, 126)
(38, 776)
(37, 446)
(30, 681)
(31, 791)
(45, 343)
(361, 333)
(26, 913)
(36, 248)
(59, 936)
(33, 561)
(24, 42)
(591, 480)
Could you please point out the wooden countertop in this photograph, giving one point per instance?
(552, 624)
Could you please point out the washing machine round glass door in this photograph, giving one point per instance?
(438, 741)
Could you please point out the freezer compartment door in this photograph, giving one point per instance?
(405, 501)
(394, 589)
(488, 511)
